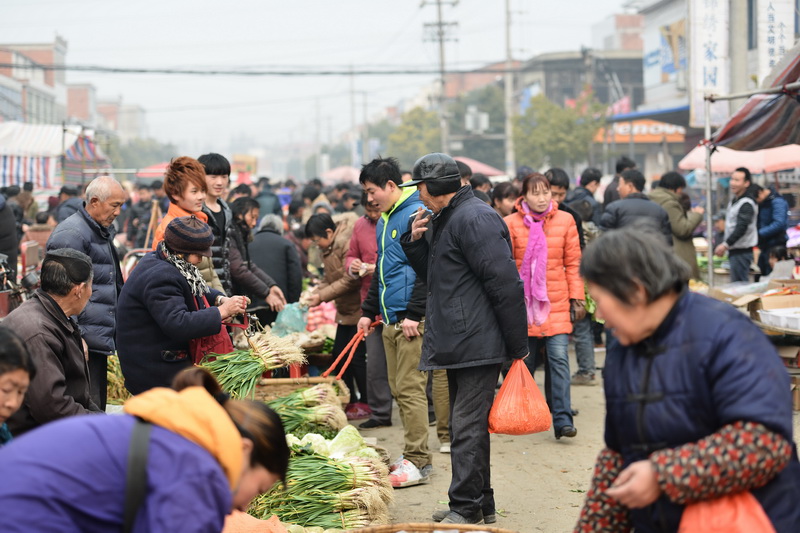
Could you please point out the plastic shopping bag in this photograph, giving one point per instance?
(292, 319)
(519, 408)
(734, 513)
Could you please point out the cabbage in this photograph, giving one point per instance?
(346, 442)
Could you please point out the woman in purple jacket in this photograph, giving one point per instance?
(207, 455)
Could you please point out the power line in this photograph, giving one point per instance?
(421, 71)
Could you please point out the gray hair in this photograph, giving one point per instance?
(56, 279)
(621, 260)
(101, 188)
(272, 222)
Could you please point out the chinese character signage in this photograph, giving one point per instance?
(775, 33)
(708, 59)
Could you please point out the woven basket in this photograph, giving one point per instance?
(272, 388)
(430, 528)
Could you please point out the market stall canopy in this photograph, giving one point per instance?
(153, 172)
(758, 162)
(479, 168)
(767, 120)
(32, 152)
(343, 174)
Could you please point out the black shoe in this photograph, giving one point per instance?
(431, 419)
(372, 423)
(566, 431)
(455, 518)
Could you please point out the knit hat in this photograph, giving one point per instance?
(189, 235)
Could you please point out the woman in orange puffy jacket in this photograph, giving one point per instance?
(547, 250)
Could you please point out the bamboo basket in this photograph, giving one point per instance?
(430, 528)
(272, 388)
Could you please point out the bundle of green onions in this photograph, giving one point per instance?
(240, 371)
(116, 391)
(326, 419)
(320, 491)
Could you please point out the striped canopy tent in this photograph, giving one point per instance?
(33, 152)
(771, 119)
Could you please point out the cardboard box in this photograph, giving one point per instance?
(755, 302)
(720, 295)
(789, 355)
(783, 283)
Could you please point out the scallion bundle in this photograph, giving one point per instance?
(240, 371)
(323, 492)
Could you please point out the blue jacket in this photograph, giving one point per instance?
(68, 207)
(159, 316)
(706, 366)
(395, 292)
(773, 215)
(187, 489)
(98, 320)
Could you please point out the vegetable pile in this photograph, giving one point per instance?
(313, 410)
(339, 483)
(240, 371)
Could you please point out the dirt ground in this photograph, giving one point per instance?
(539, 482)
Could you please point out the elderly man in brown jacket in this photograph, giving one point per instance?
(60, 387)
(333, 239)
(683, 222)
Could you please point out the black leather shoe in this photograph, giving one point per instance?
(566, 431)
(372, 423)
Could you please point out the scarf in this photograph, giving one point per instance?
(533, 270)
(190, 272)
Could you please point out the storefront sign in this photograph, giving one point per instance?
(644, 131)
(775, 33)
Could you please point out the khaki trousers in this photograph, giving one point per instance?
(408, 388)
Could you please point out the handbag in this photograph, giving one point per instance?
(519, 408)
(218, 343)
(732, 513)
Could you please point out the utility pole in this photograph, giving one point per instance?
(318, 141)
(353, 132)
(365, 133)
(509, 98)
(439, 31)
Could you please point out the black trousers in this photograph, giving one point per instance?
(471, 396)
(355, 377)
(98, 378)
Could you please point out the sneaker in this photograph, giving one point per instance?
(397, 464)
(444, 448)
(372, 423)
(355, 411)
(455, 518)
(581, 378)
(407, 475)
(440, 515)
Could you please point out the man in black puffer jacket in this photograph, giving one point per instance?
(635, 208)
(91, 231)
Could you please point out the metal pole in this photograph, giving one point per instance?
(509, 98)
(709, 203)
(365, 134)
(443, 129)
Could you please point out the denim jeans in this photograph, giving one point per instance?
(740, 264)
(471, 396)
(557, 377)
(582, 336)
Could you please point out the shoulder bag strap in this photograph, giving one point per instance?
(136, 477)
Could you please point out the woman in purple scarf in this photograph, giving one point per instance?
(547, 250)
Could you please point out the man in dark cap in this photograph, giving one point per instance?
(60, 387)
(475, 320)
(69, 203)
(90, 230)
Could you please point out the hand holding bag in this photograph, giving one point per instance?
(218, 343)
(519, 408)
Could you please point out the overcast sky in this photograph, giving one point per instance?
(199, 113)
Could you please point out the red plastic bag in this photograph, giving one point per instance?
(519, 408)
(734, 513)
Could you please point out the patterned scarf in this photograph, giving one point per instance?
(533, 270)
(187, 270)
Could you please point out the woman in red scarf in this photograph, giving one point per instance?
(548, 255)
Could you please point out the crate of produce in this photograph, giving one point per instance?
(269, 389)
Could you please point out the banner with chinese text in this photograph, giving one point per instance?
(709, 63)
